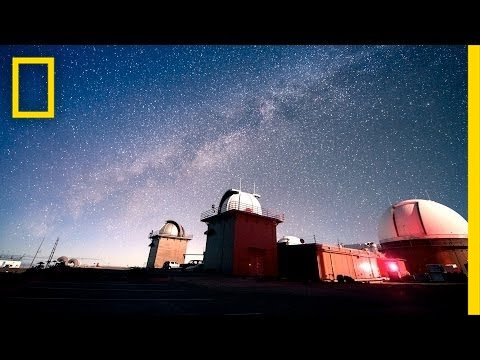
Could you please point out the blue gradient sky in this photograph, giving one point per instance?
(330, 135)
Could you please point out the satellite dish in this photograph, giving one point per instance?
(62, 259)
(74, 262)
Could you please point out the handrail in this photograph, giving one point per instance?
(158, 233)
(424, 237)
(239, 206)
(412, 242)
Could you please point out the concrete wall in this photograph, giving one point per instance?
(153, 253)
(166, 249)
(219, 248)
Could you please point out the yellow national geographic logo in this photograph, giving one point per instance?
(16, 62)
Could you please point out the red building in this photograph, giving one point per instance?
(241, 236)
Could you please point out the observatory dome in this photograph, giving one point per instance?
(172, 228)
(290, 240)
(239, 200)
(419, 219)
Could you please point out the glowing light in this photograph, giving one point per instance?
(392, 266)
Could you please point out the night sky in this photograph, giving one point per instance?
(331, 135)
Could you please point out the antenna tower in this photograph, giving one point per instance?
(51, 254)
(37, 252)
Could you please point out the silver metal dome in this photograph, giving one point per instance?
(238, 200)
(172, 228)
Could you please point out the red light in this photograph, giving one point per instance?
(392, 266)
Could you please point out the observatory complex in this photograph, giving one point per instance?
(415, 237)
(424, 232)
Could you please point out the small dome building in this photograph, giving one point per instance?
(167, 244)
(290, 240)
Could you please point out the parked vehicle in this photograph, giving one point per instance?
(190, 264)
(195, 268)
(170, 265)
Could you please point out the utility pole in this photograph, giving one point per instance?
(51, 254)
(37, 252)
(314, 239)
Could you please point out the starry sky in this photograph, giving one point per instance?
(331, 136)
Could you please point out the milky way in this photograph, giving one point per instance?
(331, 136)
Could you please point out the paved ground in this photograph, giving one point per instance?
(176, 295)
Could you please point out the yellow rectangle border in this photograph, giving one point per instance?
(16, 62)
(473, 180)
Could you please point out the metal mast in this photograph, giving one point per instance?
(37, 252)
(51, 254)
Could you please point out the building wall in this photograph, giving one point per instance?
(241, 243)
(166, 249)
(255, 245)
(357, 264)
(13, 264)
(418, 256)
(298, 262)
(219, 248)
(153, 253)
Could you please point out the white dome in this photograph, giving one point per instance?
(172, 228)
(239, 200)
(290, 240)
(420, 219)
(74, 262)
